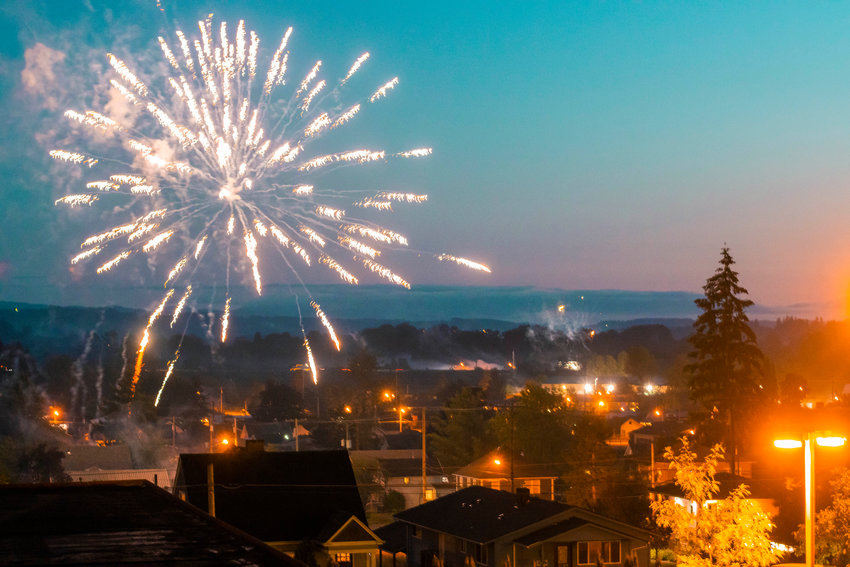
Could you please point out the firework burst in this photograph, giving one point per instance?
(217, 159)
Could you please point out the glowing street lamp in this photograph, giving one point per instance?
(823, 440)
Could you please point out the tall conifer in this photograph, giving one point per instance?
(724, 374)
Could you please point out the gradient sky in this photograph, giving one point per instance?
(577, 145)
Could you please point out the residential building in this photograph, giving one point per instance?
(286, 499)
(499, 471)
(485, 527)
(119, 523)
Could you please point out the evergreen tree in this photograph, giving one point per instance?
(724, 376)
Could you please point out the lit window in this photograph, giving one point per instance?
(343, 559)
(533, 486)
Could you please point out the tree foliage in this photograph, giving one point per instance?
(461, 433)
(724, 376)
(731, 532)
(832, 525)
(538, 425)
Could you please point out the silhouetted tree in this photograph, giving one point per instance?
(724, 376)
(276, 401)
(461, 436)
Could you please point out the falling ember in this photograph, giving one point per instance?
(382, 92)
(311, 361)
(463, 262)
(324, 319)
(360, 60)
(225, 320)
(419, 152)
(180, 305)
(88, 253)
(165, 378)
(225, 175)
(74, 200)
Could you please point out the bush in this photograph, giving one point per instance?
(393, 502)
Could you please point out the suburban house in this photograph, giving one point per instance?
(289, 500)
(405, 477)
(623, 428)
(760, 493)
(485, 527)
(119, 523)
(495, 470)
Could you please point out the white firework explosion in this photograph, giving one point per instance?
(218, 160)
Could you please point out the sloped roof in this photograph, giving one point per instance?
(551, 530)
(394, 536)
(409, 467)
(727, 482)
(275, 496)
(486, 467)
(118, 523)
(480, 514)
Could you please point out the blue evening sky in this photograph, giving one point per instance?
(577, 145)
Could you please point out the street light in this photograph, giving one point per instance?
(823, 440)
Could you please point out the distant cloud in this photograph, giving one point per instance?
(38, 77)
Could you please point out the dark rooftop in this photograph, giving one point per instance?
(275, 496)
(118, 523)
(480, 514)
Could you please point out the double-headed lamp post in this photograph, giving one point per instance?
(823, 439)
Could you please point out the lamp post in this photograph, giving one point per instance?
(811, 438)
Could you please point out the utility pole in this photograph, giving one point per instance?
(296, 434)
(424, 471)
(210, 490)
(511, 419)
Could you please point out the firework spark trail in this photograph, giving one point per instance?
(78, 369)
(202, 153)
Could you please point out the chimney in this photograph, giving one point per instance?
(523, 495)
(255, 445)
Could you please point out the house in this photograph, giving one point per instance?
(277, 435)
(119, 523)
(760, 493)
(485, 527)
(623, 429)
(405, 477)
(495, 470)
(162, 477)
(286, 499)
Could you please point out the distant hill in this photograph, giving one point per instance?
(66, 315)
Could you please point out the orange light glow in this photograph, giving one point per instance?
(788, 443)
(347, 409)
(497, 461)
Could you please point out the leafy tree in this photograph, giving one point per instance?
(276, 401)
(731, 532)
(461, 436)
(538, 425)
(41, 464)
(393, 501)
(724, 375)
(832, 525)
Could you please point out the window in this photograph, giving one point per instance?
(590, 551)
(343, 559)
(430, 493)
(475, 550)
(533, 486)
